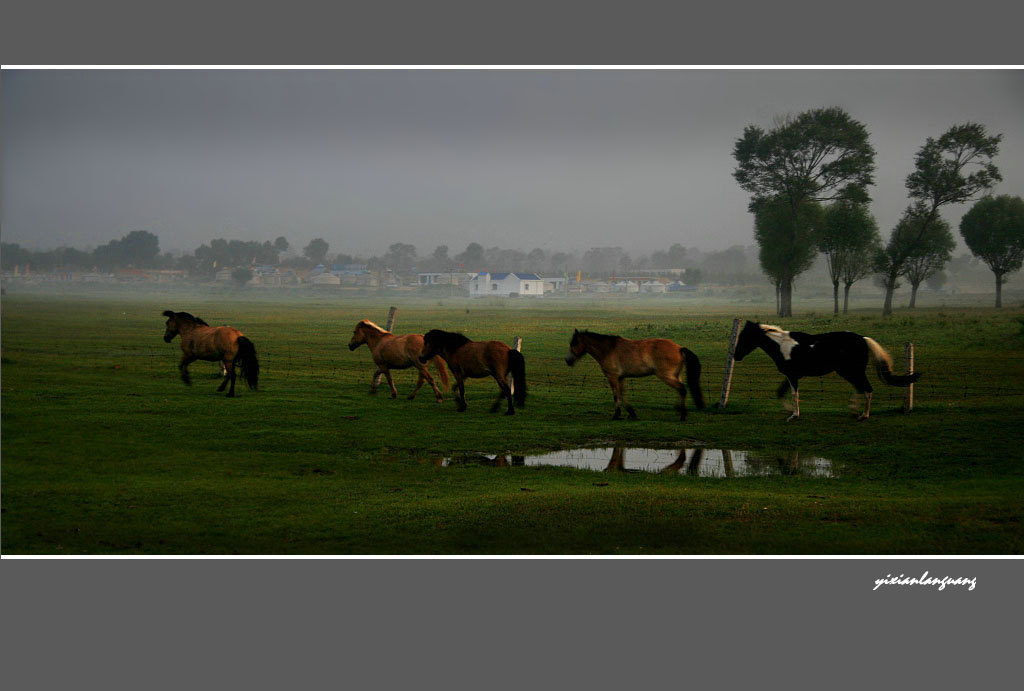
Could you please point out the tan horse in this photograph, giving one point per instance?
(396, 352)
(621, 358)
(224, 344)
(475, 360)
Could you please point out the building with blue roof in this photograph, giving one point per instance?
(506, 284)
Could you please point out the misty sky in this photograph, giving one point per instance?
(562, 160)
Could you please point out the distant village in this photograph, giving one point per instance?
(359, 276)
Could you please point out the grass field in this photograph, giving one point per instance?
(106, 451)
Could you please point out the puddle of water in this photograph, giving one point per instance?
(697, 461)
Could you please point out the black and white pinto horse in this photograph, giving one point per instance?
(799, 354)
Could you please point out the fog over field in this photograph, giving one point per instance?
(560, 160)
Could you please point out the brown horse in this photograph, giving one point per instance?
(396, 352)
(200, 341)
(621, 358)
(477, 359)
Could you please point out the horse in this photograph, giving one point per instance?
(622, 358)
(799, 354)
(396, 352)
(200, 341)
(477, 359)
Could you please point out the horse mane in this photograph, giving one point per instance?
(186, 316)
(599, 337)
(449, 340)
(772, 327)
(367, 322)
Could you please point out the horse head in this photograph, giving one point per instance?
(433, 342)
(576, 349)
(172, 326)
(749, 339)
(358, 337)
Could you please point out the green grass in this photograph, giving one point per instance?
(106, 451)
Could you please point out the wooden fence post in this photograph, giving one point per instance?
(729, 362)
(387, 327)
(908, 395)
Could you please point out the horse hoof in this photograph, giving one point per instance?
(616, 416)
(410, 397)
(792, 417)
(439, 399)
(861, 417)
(394, 396)
(230, 395)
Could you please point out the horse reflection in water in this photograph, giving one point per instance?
(693, 461)
(499, 461)
(787, 463)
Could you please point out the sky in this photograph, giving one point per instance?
(562, 159)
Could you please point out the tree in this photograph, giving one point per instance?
(952, 169)
(820, 155)
(316, 250)
(281, 244)
(536, 259)
(857, 263)
(472, 258)
(847, 229)
(241, 275)
(138, 249)
(787, 244)
(994, 232)
(400, 257)
(933, 252)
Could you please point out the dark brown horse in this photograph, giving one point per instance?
(622, 358)
(477, 359)
(396, 352)
(224, 344)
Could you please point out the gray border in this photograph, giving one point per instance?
(484, 623)
(525, 32)
(469, 623)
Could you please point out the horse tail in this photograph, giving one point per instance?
(247, 362)
(517, 366)
(883, 363)
(442, 371)
(692, 364)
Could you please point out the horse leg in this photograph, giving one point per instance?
(425, 376)
(433, 385)
(394, 391)
(674, 382)
(613, 381)
(460, 399)
(861, 384)
(231, 379)
(225, 365)
(419, 383)
(373, 380)
(622, 397)
(783, 388)
(505, 391)
(795, 383)
(183, 368)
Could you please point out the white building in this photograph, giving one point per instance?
(625, 287)
(652, 287)
(506, 284)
